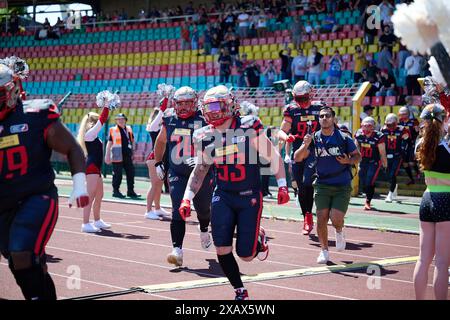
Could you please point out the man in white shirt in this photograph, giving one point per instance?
(244, 23)
(413, 66)
(299, 67)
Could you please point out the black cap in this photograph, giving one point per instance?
(368, 107)
(121, 116)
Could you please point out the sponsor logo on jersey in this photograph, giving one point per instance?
(182, 132)
(231, 149)
(307, 118)
(9, 141)
(215, 199)
(19, 128)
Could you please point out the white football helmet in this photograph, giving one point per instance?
(9, 90)
(302, 93)
(403, 113)
(391, 120)
(218, 105)
(185, 102)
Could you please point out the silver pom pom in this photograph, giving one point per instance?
(165, 90)
(249, 108)
(17, 65)
(108, 99)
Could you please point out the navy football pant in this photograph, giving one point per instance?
(201, 201)
(368, 174)
(24, 233)
(392, 171)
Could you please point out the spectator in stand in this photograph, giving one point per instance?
(309, 28)
(46, 24)
(225, 65)
(369, 27)
(270, 73)
(228, 21)
(261, 26)
(215, 44)
(299, 66)
(413, 110)
(297, 32)
(360, 62)
(413, 66)
(329, 24)
(335, 71)
(244, 23)
(252, 75)
(207, 39)
(402, 54)
(314, 66)
(241, 65)
(286, 62)
(307, 7)
(189, 10)
(14, 23)
(387, 84)
(388, 38)
(185, 37)
(195, 38)
(60, 24)
(178, 11)
(385, 60)
(319, 6)
(368, 112)
(233, 46)
(385, 8)
(331, 6)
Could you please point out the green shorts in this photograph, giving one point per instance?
(332, 197)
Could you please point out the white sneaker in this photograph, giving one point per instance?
(89, 228)
(394, 195)
(176, 257)
(161, 212)
(100, 224)
(152, 215)
(323, 257)
(389, 197)
(340, 240)
(205, 240)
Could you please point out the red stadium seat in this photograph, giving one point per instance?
(377, 101)
(390, 101)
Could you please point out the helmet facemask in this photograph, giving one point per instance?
(303, 101)
(217, 111)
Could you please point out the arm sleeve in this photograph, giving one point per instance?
(92, 133)
(156, 123)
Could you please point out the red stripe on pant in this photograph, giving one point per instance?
(375, 176)
(255, 243)
(42, 233)
(52, 227)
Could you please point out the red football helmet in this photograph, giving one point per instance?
(185, 102)
(218, 105)
(9, 91)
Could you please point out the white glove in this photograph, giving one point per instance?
(79, 193)
(287, 159)
(191, 162)
(160, 170)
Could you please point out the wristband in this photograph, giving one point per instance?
(281, 182)
(189, 195)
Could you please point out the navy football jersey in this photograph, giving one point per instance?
(25, 167)
(396, 141)
(412, 125)
(180, 145)
(236, 162)
(299, 117)
(369, 145)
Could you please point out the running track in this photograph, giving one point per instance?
(134, 253)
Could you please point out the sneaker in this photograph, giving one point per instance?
(205, 240)
(262, 239)
(308, 223)
(323, 257)
(241, 294)
(118, 194)
(176, 257)
(389, 197)
(340, 240)
(89, 228)
(100, 224)
(395, 194)
(367, 206)
(161, 212)
(152, 215)
(133, 194)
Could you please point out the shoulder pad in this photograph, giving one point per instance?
(38, 105)
(248, 121)
(201, 133)
(317, 103)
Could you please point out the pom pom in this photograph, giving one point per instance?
(435, 71)
(249, 108)
(438, 11)
(165, 90)
(18, 66)
(405, 25)
(108, 99)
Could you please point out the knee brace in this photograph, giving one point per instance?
(31, 276)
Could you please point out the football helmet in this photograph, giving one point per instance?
(302, 94)
(403, 114)
(218, 105)
(368, 125)
(185, 102)
(391, 121)
(9, 90)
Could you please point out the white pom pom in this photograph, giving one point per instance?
(165, 90)
(114, 101)
(435, 71)
(438, 11)
(102, 98)
(17, 65)
(405, 25)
